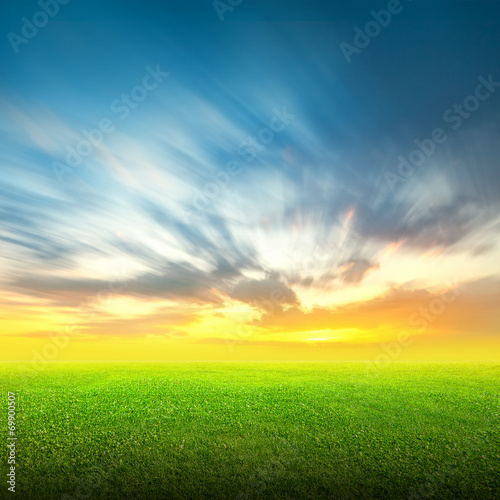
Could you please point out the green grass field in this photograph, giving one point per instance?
(254, 430)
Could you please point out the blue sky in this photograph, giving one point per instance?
(156, 200)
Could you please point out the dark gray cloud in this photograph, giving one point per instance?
(261, 292)
(180, 281)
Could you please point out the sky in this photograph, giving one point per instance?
(250, 180)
